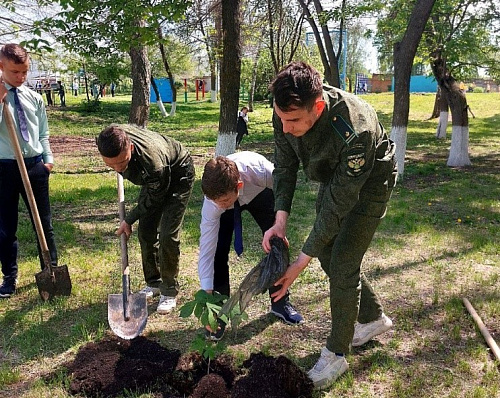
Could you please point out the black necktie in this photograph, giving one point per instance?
(238, 229)
(23, 125)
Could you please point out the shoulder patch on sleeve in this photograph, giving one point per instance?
(356, 162)
(343, 129)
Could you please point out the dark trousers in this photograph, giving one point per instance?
(262, 210)
(11, 186)
(159, 232)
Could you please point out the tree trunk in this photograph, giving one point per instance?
(253, 82)
(437, 107)
(159, 101)
(443, 115)
(169, 72)
(459, 150)
(404, 53)
(230, 77)
(213, 83)
(141, 76)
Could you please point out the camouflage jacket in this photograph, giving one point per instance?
(347, 151)
(157, 164)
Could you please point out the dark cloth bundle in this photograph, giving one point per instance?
(261, 277)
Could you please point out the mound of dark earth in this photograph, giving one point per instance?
(114, 366)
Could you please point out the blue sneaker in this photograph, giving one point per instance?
(7, 289)
(285, 311)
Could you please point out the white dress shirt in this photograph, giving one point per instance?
(256, 172)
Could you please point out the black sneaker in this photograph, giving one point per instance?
(286, 312)
(218, 334)
(7, 289)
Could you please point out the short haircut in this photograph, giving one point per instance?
(297, 85)
(220, 177)
(14, 52)
(112, 141)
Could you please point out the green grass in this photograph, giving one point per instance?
(438, 243)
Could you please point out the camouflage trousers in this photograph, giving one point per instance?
(159, 237)
(351, 295)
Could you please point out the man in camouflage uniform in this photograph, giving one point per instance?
(164, 170)
(341, 144)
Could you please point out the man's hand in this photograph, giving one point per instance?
(49, 166)
(292, 272)
(278, 229)
(124, 229)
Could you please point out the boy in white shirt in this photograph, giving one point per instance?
(243, 180)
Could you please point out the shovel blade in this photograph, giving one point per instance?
(137, 315)
(57, 283)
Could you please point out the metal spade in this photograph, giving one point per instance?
(127, 312)
(51, 281)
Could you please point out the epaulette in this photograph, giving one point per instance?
(343, 129)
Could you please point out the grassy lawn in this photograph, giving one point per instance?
(438, 243)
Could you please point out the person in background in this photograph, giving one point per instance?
(241, 126)
(75, 88)
(112, 88)
(240, 181)
(62, 92)
(341, 144)
(33, 135)
(48, 93)
(164, 170)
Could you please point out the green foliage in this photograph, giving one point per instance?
(459, 30)
(206, 308)
(96, 27)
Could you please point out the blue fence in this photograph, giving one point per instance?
(421, 84)
(164, 88)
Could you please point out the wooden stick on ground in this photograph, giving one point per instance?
(487, 336)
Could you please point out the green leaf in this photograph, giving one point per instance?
(201, 296)
(204, 318)
(187, 309)
(198, 310)
(212, 321)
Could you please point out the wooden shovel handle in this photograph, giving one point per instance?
(121, 212)
(27, 186)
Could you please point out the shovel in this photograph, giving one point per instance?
(127, 313)
(51, 281)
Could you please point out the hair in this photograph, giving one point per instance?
(220, 177)
(14, 52)
(242, 109)
(112, 141)
(297, 85)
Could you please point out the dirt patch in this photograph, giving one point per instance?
(113, 366)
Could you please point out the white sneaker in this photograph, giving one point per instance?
(364, 332)
(166, 304)
(150, 292)
(328, 368)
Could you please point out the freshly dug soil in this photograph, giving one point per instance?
(107, 368)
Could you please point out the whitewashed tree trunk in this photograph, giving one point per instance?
(442, 125)
(398, 135)
(459, 150)
(213, 96)
(173, 109)
(226, 144)
(159, 102)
